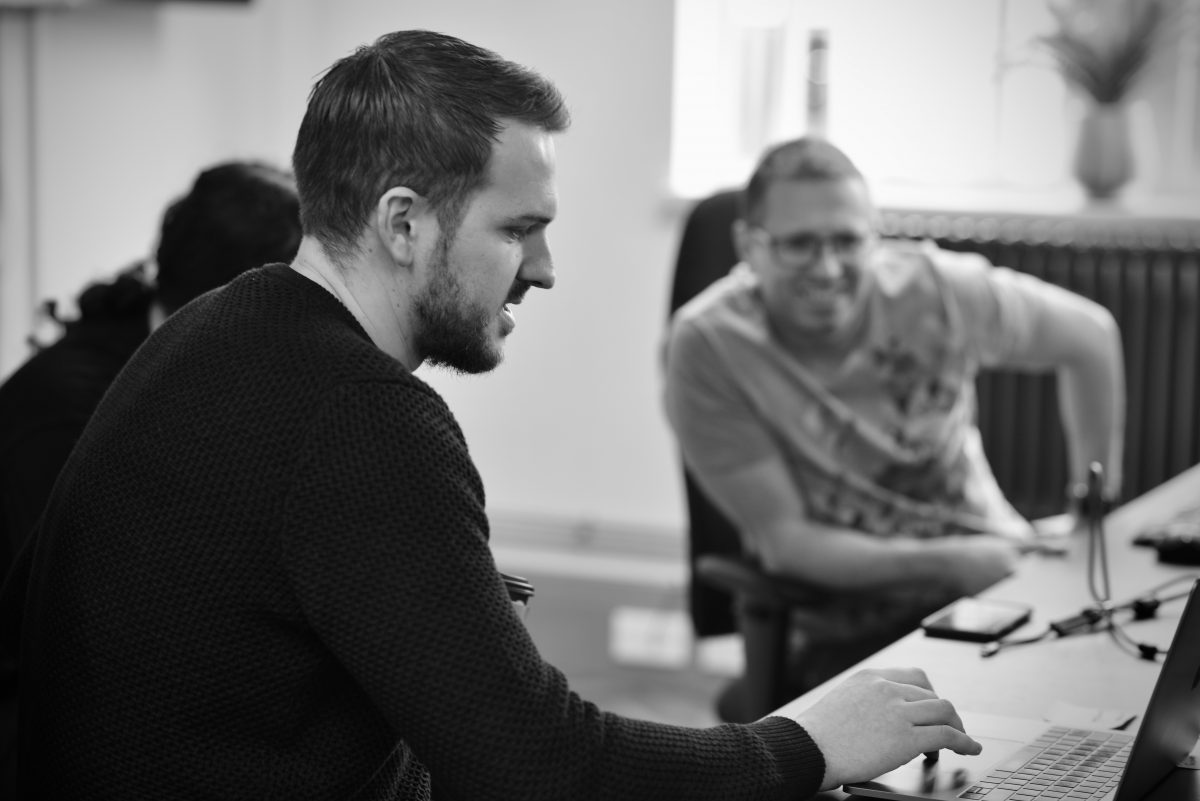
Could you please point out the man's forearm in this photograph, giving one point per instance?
(849, 559)
(1091, 390)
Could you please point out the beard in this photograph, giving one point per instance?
(454, 333)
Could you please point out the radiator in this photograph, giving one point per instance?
(1147, 273)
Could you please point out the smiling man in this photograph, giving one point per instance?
(823, 397)
(265, 570)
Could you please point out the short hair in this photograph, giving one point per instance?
(237, 215)
(808, 158)
(416, 109)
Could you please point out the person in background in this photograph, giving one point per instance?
(822, 394)
(236, 215)
(265, 569)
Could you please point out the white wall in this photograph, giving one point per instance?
(131, 99)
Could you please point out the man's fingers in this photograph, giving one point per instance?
(904, 675)
(912, 693)
(933, 738)
(932, 712)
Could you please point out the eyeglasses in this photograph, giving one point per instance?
(801, 250)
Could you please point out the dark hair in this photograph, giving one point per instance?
(804, 159)
(237, 215)
(416, 109)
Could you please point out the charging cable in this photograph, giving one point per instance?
(1101, 615)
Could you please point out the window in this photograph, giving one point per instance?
(923, 94)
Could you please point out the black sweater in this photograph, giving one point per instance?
(47, 401)
(265, 574)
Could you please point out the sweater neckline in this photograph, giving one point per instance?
(285, 273)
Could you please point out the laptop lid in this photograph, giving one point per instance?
(1169, 730)
(1172, 722)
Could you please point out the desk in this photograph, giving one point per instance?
(1088, 669)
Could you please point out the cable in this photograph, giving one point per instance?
(1086, 620)
(1154, 591)
(1100, 619)
(1097, 552)
(1139, 649)
(1101, 616)
(996, 646)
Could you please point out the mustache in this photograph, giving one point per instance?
(517, 293)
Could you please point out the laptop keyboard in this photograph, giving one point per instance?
(1071, 764)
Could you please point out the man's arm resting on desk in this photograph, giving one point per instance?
(763, 503)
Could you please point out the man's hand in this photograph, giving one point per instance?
(1058, 526)
(877, 720)
(978, 561)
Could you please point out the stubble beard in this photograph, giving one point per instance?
(453, 332)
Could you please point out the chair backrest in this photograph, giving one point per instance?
(706, 253)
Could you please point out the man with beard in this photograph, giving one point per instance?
(265, 570)
(823, 397)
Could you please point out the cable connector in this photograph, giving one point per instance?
(1147, 651)
(1084, 620)
(1144, 608)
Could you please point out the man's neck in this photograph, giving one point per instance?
(359, 287)
(828, 347)
(822, 351)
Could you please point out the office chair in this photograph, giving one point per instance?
(706, 253)
(727, 590)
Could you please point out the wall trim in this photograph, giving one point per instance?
(597, 550)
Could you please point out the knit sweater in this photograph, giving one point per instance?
(265, 573)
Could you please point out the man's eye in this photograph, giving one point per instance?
(803, 243)
(517, 234)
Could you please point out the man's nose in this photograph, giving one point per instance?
(825, 264)
(538, 265)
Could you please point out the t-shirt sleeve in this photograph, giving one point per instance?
(387, 551)
(711, 411)
(995, 303)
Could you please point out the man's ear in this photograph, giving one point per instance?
(399, 217)
(741, 239)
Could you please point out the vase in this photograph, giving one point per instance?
(1103, 152)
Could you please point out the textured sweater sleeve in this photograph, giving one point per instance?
(385, 543)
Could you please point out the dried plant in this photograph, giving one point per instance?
(1102, 47)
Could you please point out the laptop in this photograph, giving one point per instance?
(1031, 759)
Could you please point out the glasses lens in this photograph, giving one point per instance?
(847, 244)
(798, 249)
(803, 249)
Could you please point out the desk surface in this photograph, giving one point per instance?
(1087, 670)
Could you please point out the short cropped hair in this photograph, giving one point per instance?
(417, 109)
(237, 215)
(805, 159)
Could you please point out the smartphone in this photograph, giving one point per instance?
(977, 619)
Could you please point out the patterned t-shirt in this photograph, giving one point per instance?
(886, 441)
